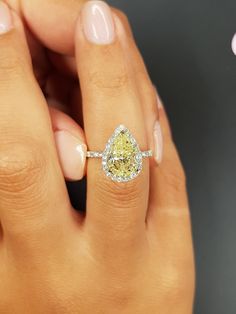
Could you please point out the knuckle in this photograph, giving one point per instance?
(171, 282)
(120, 297)
(176, 284)
(174, 174)
(109, 80)
(176, 178)
(21, 167)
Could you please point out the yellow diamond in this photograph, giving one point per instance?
(123, 161)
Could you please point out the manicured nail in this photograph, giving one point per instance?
(72, 154)
(5, 18)
(158, 143)
(159, 102)
(234, 44)
(98, 22)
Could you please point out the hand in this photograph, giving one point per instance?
(132, 253)
(51, 43)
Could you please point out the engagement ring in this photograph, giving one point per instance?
(122, 158)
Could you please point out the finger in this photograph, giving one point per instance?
(33, 195)
(168, 219)
(156, 121)
(67, 64)
(70, 143)
(157, 126)
(145, 86)
(54, 29)
(168, 214)
(110, 98)
(169, 176)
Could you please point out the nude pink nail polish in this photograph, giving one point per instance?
(5, 18)
(72, 154)
(98, 24)
(158, 142)
(234, 44)
(159, 102)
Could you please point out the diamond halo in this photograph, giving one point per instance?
(122, 159)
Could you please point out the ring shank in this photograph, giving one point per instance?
(91, 154)
(94, 154)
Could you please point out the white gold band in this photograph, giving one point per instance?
(93, 154)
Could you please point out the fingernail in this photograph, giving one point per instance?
(5, 18)
(98, 23)
(159, 102)
(72, 154)
(234, 44)
(158, 143)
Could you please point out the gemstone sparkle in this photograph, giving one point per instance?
(122, 158)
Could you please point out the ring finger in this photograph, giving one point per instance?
(110, 98)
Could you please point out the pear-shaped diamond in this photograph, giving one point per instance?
(122, 158)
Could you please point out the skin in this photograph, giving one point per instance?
(132, 251)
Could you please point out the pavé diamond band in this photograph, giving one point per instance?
(91, 154)
(122, 158)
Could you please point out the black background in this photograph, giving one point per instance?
(187, 47)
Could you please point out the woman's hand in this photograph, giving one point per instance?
(132, 252)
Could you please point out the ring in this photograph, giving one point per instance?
(122, 159)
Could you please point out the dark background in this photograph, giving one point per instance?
(187, 47)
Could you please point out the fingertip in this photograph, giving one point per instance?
(9, 20)
(97, 22)
(72, 155)
(6, 18)
(70, 144)
(102, 24)
(55, 29)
